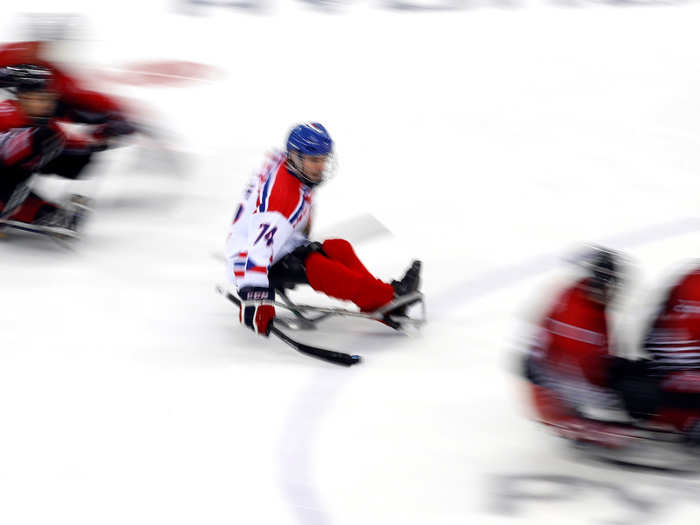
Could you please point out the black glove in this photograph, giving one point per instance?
(302, 252)
(115, 127)
(257, 309)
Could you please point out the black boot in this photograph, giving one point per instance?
(409, 283)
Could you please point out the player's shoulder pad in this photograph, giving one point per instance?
(689, 285)
(11, 116)
(281, 193)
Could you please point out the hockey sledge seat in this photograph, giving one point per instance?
(303, 321)
(289, 272)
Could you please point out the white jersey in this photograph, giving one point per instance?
(270, 222)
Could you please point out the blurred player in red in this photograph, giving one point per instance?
(268, 245)
(74, 101)
(672, 379)
(570, 366)
(31, 141)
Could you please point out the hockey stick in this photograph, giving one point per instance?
(327, 355)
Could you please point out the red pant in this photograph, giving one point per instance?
(343, 276)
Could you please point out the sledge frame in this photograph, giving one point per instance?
(307, 317)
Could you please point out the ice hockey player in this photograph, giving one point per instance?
(74, 102)
(570, 367)
(672, 379)
(268, 244)
(32, 142)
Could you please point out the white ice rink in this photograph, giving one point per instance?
(489, 140)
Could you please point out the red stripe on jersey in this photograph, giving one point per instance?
(257, 269)
(285, 194)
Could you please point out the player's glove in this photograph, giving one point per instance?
(114, 127)
(257, 309)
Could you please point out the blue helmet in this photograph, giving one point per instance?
(309, 139)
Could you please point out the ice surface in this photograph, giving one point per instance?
(489, 141)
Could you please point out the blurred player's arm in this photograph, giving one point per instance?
(14, 53)
(30, 148)
(86, 106)
(268, 232)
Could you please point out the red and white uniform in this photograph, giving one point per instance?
(573, 338)
(269, 223)
(674, 340)
(674, 345)
(570, 360)
(273, 220)
(18, 161)
(16, 130)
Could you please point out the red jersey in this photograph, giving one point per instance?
(270, 222)
(573, 340)
(16, 130)
(72, 95)
(674, 340)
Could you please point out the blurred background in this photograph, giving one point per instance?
(489, 139)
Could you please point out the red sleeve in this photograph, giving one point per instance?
(71, 92)
(74, 95)
(285, 196)
(20, 53)
(578, 335)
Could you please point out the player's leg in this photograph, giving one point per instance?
(34, 210)
(13, 191)
(679, 402)
(71, 163)
(334, 269)
(290, 270)
(335, 279)
(342, 251)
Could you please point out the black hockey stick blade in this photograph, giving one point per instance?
(331, 356)
(327, 355)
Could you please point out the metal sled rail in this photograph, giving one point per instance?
(305, 322)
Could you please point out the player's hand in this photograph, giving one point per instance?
(257, 309)
(114, 127)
